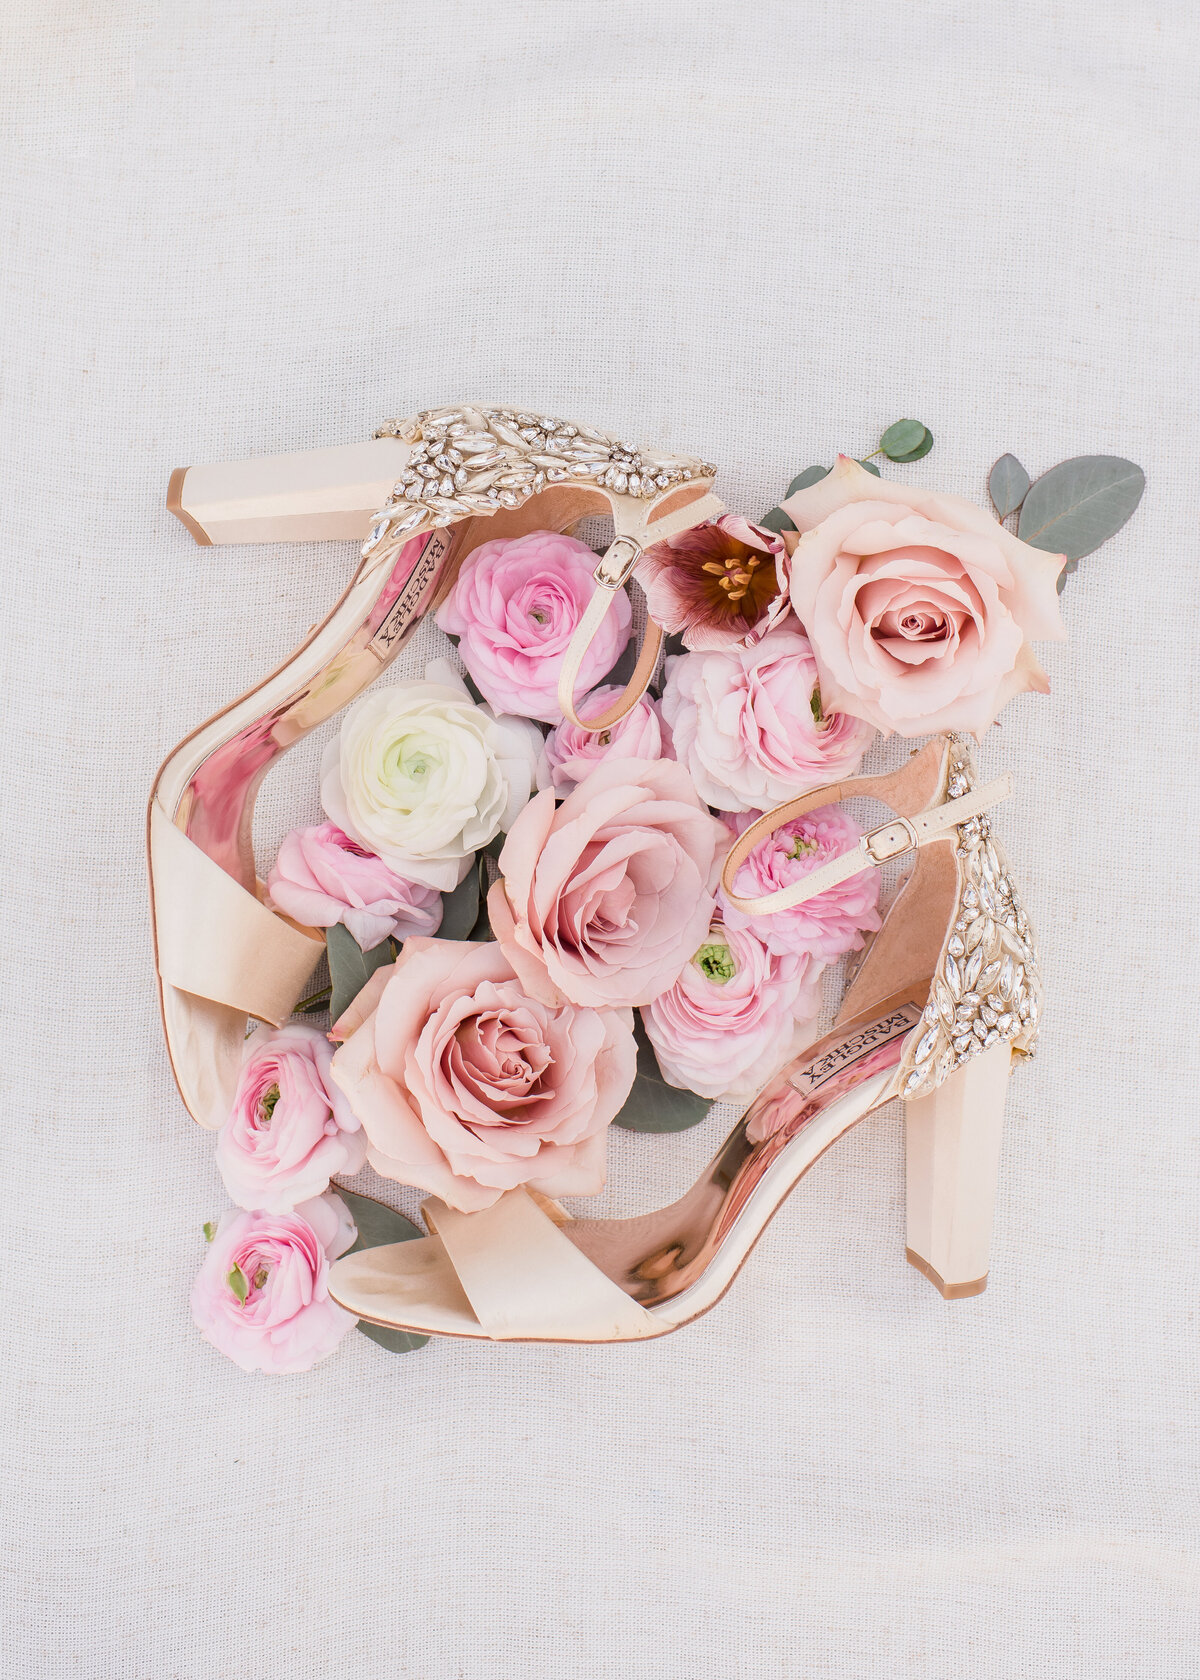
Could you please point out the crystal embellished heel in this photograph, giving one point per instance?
(945, 997)
(423, 493)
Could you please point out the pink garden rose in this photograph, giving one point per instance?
(718, 585)
(262, 1295)
(919, 606)
(602, 900)
(734, 1016)
(752, 727)
(467, 1086)
(515, 606)
(824, 927)
(322, 877)
(291, 1128)
(570, 753)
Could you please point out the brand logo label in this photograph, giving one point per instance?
(817, 1073)
(403, 610)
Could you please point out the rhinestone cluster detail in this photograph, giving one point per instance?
(471, 460)
(987, 985)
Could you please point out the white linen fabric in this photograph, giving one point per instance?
(759, 232)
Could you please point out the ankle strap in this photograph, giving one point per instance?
(889, 840)
(611, 575)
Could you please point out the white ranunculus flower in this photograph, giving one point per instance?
(423, 777)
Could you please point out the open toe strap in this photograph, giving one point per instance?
(215, 940)
(527, 1281)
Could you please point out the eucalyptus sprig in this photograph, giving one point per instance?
(903, 440)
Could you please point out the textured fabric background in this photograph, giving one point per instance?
(756, 231)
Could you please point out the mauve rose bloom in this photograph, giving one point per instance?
(515, 606)
(262, 1295)
(467, 1087)
(290, 1128)
(835, 920)
(321, 877)
(735, 1015)
(717, 585)
(571, 753)
(751, 726)
(602, 900)
(919, 606)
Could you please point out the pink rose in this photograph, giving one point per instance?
(291, 1128)
(603, 899)
(570, 753)
(467, 1086)
(717, 585)
(920, 606)
(321, 877)
(515, 606)
(751, 726)
(735, 1015)
(262, 1294)
(826, 926)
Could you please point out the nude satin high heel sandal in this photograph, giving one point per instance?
(423, 493)
(945, 996)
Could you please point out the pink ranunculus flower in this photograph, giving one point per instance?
(515, 606)
(571, 754)
(602, 900)
(824, 927)
(467, 1086)
(752, 727)
(735, 1015)
(919, 606)
(717, 585)
(262, 1294)
(321, 877)
(290, 1128)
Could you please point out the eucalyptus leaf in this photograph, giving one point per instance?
(482, 930)
(1080, 503)
(1008, 483)
(922, 449)
(379, 1225)
(805, 480)
(776, 521)
(871, 468)
(317, 1004)
(350, 967)
(460, 908)
(902, 439)
(653, 1105)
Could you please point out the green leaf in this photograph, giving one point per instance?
(776, 521)
(482, 931)
(460, 908)
(379, 1225)
(1080, 503)
(350, 967)
(903, 440)
(653, 1105)
(237, 1283)
(1008, 484)
(209, 1229)
(316, 1004)
(871, 468)
(804, 480)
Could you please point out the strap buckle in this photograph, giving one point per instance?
(621, 556)
(890, 840)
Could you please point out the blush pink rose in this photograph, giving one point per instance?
(602, 900)
(262, 1294)
(752, 727)
(717, 585)
(322, 877)
(467, 1086)
(826, 926)
(515, 606)
(291, 1128)
(735, 1015)
(919, 606)
(571, 754)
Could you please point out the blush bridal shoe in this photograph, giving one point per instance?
(423, 493)
(944, 998)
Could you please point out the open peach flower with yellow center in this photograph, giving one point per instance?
(718, 584)
(919, 606)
